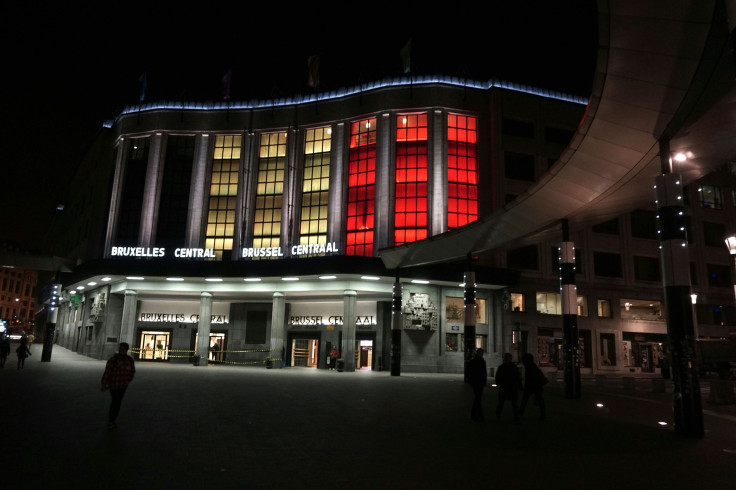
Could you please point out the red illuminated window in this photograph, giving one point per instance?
(361, 188)
(410, 205)
(462, 170)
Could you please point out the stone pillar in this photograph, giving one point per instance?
(48, 338)
(569, 315)
(277, 355)
(675, 259)
(150, 192)
(197, 195)
(396, 327)
(203, 328)
(470, 315)
(349, 309)
(127, 323)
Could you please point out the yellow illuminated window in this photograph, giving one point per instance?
(223, 194)
(269, 190)
(315, 186)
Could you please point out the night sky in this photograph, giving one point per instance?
(67, 70)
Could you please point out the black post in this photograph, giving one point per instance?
(687, 410)
(396, 322)
(469, 313)
(48, 342)
(569, 314)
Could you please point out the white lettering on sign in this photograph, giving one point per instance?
(331, 320)
(138, 252)
(314, 248)
(194, 253)
(178, 318)
(263, 252)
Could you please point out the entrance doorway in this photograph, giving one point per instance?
(215, 348)
(304, 352)
(364, 343)
(154, 345)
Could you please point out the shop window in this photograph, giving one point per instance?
(481, 342)
(719, 276)
(608, 349)
(644, 224)
(643, 350)
(452, 342)
(315, 187)
(175, 186)
(713, 233)
(710, 196)
(604, 308)
(519, 166)
(131, 200)
(269, 190)
(607, 264)
(455, 310)
(410, 204)
(517, 302)
(549, 303)
(523, 258)
(637, 309)
(462, 170)
(223, 194)
(647, 269)
(609, 227)
(361, 189)
(582, 306)
(520, 129)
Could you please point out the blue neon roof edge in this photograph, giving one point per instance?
(346, 92)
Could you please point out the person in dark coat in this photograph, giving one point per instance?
(22, 352)
(508, 381)
(478, 380)
(534, 381)
(4, 350)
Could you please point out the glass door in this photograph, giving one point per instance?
(154, 346)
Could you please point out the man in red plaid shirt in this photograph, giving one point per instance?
(118, 374)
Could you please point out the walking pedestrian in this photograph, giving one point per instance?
(22, 352)
(31, 339)
(119, 372)
(334, 354)
(478, 380)
(508, 381)
(534, 381)
(4, 350)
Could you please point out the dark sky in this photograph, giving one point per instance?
(67, 70)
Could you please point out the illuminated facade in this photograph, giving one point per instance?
(251, 234)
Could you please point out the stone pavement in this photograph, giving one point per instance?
(183, 426)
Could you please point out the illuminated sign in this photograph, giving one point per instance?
(330, 320)
(178, 318)
(158, 252)
(312, 248)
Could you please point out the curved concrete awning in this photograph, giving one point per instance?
(665, 71)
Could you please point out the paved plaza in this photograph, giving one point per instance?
(183, 426)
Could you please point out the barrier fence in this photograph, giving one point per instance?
(235, 357)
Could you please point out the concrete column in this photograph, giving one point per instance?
(384, 183)
(197, 196)
(203, 328)
(569, 315)
(470, 314)
(349, 310)
(687, 410)
(127, 323)
(336, 214)
(278, 324)
(396, 328)
(150, 192)
(437, 161)
(117, 189)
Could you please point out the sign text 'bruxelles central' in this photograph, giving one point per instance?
(209, 253)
